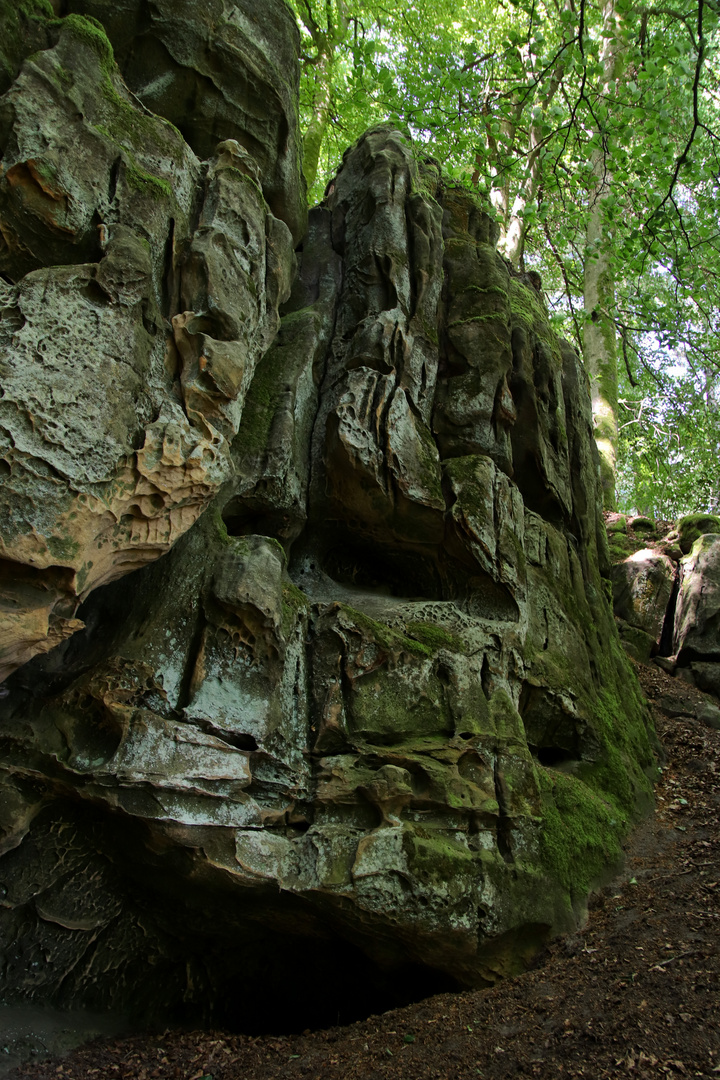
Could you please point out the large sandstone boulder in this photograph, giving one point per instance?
(139, 289)
(374, 695)
(223, 69)
(697, 614)
(691, 527)
(642, 586)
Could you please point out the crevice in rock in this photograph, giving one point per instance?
(399, 573)
(665, 647)
(113, 178)
(239, 740)
(503, 822)
(168, 281)
(185, 689)
(551, 755)
(485, 677)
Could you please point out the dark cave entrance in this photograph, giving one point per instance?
(117, 922)
(305, 985)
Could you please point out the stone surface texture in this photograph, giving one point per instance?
(372, 691)
(139, 289)
(697, 614)
(642, 587)
(667, 606)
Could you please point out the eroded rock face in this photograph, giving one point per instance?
(140, 288)
(642, 587)
(224, 70)
(697, 614)
(375, 693)
(666, 605)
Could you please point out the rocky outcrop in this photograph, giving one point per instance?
(374, 694)
(696, 632)
(140, 288)
(225, 70)
(642, 587)
(667, 604)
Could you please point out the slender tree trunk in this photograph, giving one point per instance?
(599, 342)
(326, 40)
(514, 226)
(599, 338)
(512, 239)
(320, 114)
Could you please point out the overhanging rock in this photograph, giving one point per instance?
(375, 692)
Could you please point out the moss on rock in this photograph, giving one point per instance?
(580, 840)
(693, 526)
(434, 637)
(388, 638)
(25, 25)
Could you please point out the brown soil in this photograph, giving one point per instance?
(635, 993)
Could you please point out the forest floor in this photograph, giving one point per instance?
(633, 994)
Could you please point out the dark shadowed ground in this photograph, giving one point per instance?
(635, 994)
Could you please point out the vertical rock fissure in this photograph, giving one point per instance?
(665, 647)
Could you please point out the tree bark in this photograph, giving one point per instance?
(320, 114)
(599, 337)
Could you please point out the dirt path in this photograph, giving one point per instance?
(634, 994)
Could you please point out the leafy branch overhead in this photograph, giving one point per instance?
(593, 132)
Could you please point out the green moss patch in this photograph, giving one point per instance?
(581, 834)
(63, 548)
(92, 33)
(294, 603)
(436, 859)
(127, 124)
(262, 401)
(693, 526)
(23, 24)
(389, 639)
(434, 637)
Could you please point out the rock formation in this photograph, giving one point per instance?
(666, 596)
(345, 668)
(139, 291)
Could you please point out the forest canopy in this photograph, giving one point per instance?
(592, 132)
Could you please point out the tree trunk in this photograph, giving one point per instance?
(599, 339)
(320, 114)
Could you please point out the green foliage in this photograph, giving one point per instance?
(593, 132)
(668, 446)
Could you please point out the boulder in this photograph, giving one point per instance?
(709, 715)
(642, 587)
(369, 709)
(693, 526)
(641, 524)
(697, 614)
(637, 643)
(140, 288)
(707, 676)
